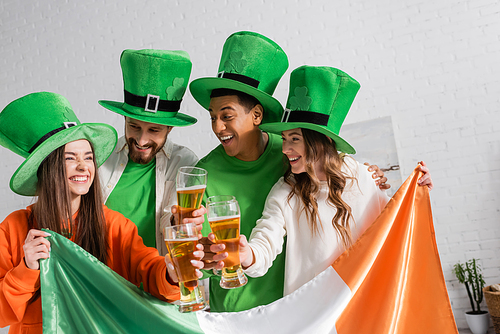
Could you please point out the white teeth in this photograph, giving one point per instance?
(293, 159)
(79, 178)
(141, 147)
(226, 137)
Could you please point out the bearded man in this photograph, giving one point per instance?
(138, 179)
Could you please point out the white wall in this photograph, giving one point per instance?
(431, 65)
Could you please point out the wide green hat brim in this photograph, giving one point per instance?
(178, 119)
(202, 88)
(102, 136)
(340, 143)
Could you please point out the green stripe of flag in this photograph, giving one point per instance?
(80, 294)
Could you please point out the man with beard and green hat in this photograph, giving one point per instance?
(249, 161)
(140, 173)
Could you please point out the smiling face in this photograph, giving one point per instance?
(144, 139)
(294, 147)
(236, 127)
(80, 168)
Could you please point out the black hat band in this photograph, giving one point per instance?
(151, 103)
(50, 134)
(239, 77)
(304, 116)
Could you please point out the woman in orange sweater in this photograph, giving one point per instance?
(62, 157)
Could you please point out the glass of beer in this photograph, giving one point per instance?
(223, 215)
(181, 241)
(191, 183)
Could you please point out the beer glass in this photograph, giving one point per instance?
(223, 215)
(191, 183)
(181, 241)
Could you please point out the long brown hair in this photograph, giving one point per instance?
(319, 148)
(53, 208)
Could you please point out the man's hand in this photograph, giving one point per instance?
(378, 175)
(208, 259)
(198, 217)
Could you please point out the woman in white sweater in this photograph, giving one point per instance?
(342, 201)
(326, 199)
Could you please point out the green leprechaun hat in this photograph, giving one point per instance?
(319, 100)
(154, 83)
(34, 125)
(252, 64)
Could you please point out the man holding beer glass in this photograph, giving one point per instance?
(190, 184)
(140, 174)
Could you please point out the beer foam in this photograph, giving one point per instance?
(223, 218)
(183, 239)
(200, 186)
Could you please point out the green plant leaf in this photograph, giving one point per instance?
(470, 275)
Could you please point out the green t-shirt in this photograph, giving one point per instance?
(249, 182)
(134, 197)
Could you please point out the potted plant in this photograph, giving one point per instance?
(469, 273)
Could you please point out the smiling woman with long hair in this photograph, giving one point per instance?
(326, 199)
(319, 151)
(62, 157)
(54, 206)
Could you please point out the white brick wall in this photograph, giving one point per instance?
(431, 65)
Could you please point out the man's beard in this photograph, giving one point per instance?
(140, 158)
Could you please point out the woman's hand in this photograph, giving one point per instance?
(426, 179)
(197, 264)
(246, 253)
(36, 247)
(378, 175)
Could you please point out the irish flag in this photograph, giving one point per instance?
(390, 281)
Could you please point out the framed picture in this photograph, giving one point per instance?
(374, 142)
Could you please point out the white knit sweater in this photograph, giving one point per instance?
(308, 254)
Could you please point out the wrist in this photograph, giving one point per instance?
(169, 279)
(26, 264)
(249, 261)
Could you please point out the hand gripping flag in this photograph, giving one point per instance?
(389, 281)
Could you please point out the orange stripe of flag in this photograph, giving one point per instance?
(394, 271)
